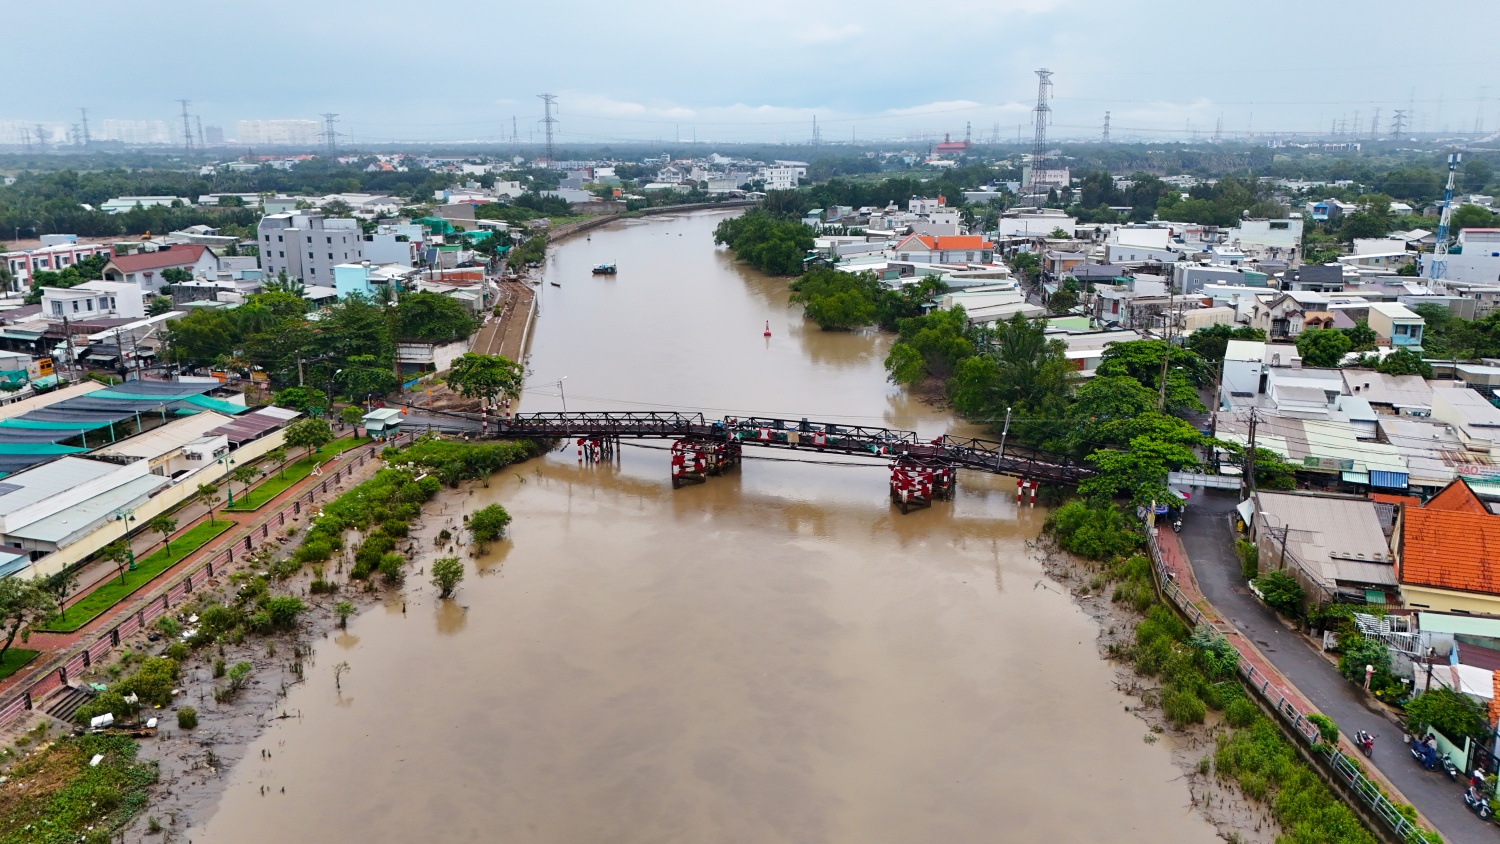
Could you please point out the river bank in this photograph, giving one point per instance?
(774, 655)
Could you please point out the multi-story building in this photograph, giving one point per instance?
(308, 246)
(278, 132)
(50, 257)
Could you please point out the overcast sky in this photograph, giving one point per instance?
(758, 70)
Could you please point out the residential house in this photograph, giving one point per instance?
(1475, 259)
(1285, 316)
(1395, 325)
(1334, 546)
(307, 246)
(145, 268)
(94, 299)
(121, 204)
(1445, 558)
(949, 249)
(48, 257)
(372, 281)
(394, 243)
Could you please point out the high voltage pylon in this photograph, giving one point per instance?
(84, 124)
(548, 101)
(41, 138)
(1398, 122)
(1105, 137)
(330, 136)
(1040, 115)
(198, 119)
(816, 136)
(187, 129)
(1375, 124)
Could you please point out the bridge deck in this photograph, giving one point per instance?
(963, 452)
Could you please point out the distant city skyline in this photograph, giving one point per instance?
(670, 72)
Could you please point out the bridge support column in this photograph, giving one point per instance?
(693, 461)
(1022, 487)
(915, 485)
(597, 449)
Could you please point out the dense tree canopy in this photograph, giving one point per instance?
(768, 243)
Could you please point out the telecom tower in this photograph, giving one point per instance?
(1040, 116)
(187, 129)
(1105, 139)
(85, 125)
(1439, 264)
(330, 136)
(548, 101)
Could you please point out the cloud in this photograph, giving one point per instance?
(822, 33)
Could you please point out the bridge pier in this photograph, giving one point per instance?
(915, 485)
(693, 461)
(597, 449)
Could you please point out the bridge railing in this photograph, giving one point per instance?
(834, 431)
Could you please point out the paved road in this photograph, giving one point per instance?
(1208, 536)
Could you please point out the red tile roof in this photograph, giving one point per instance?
(1398, 500)
(1459, 498)
(1452, 543)
(966, 241)
(177, 256)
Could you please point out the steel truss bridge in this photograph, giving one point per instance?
(771, 432)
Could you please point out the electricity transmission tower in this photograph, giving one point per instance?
(330, 136)
(1105, 139)
(85, 125)
(1040, 116)
(1398, 122)
(548, 102)
(1375, 125)
(187, 129)
(817, 136)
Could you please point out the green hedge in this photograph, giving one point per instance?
(113, 591)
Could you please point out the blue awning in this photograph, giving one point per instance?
(1388, 480)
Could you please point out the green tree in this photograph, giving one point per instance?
(201, 338)
(1211, 343)
(1477, 173)
(931, 345)
(352, 416)
(310, 434)
(1361, 337)
(1062, 301)
(837, 300)
(770, 243)
(207, 495)
(343, 609)
(244, 476)
(176, 275)
(1404, 362)
(1281, 592)
(164, 525)
(23, 603)
(118, 552)
(278, 456)
(1322, 347)
(1143, 359)
(1138, 473)
(1022, 370)
(238, 676)
(1468, 216)
(60, 585)
(1026, 265)
(447, 573)
(159, 305)
(488, 524)
(1451, 713)
(365, 375)
(433, 318)
(485, 377)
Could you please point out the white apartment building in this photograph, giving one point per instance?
(279, 132)
(778, 178)
(308, 246)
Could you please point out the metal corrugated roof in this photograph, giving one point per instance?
(67, 526)
(35, 485)
(168, 437)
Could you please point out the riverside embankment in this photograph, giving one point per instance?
(776, 655)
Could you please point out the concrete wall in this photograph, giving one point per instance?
(1445, 600)
(153, 507)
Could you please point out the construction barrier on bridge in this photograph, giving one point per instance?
(915, 485)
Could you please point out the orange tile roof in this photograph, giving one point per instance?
(1459, 498)
(1451, 543)
(1387, 498)
(964, 241)
(178, 256)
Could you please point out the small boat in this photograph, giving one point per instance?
(554, 284)
(605, 269)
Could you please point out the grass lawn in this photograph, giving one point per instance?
(276, 484)
(15, 660)
(112, 591)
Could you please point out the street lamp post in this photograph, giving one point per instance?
(127, 515)
(228, 486)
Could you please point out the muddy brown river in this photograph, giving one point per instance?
(774, 656)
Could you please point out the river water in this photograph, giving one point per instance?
(776, 655)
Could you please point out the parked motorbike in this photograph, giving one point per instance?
(1424, 753)
(1177, 525)
(1448, 767)
(1365, 742)
(1477, 802)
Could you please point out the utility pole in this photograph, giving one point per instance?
(1249, 479)
(330, 137)
(187, 130)
(85, 123)
(1168, 322)
(548, 101)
